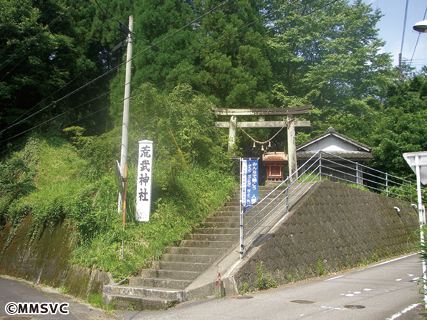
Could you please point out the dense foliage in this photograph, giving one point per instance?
(71, 178)
(61, 93)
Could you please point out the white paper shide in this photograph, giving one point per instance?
(143, 189)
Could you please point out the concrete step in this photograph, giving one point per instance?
(229, 208)
(160, 283)
(214, 237)
(131, 302)
(206, 244)
(228, 224)
(226, 214)
(216, 230)
(223, 219)
(196, 251)
(164, 285)
(146, 292)
(188, 258)
(174, 274)
(183, 266)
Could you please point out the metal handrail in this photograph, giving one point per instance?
(361, 165)
(370, 174)
(310, 171)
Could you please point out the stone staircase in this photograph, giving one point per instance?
(165, 284)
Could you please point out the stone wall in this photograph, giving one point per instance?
(46, 260)
(334, 227)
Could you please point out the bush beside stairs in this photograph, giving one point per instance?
(178, 276)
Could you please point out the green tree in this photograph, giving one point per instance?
(328, 55)
(49, 49)
(401, 126)
(221, 54)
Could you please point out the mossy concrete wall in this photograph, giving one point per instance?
(46, 260)
(334, 227)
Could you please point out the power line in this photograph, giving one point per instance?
(23, 32)
(247, 42)
(418, 38)
(13, 123)
(27, 46)
(220, 54)
(118, 66)
(55, 117)
(105, 93)
(403, 34)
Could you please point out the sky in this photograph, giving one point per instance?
(391, 28)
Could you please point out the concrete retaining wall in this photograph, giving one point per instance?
(46, 260)
(334, 227)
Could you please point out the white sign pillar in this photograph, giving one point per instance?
(143, 183)
(418, 163)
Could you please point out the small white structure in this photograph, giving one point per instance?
(338, 145)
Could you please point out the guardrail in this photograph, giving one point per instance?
(322, 165)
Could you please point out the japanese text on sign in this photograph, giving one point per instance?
(249, 183)
(143, 191)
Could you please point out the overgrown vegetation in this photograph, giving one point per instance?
(53, 179)
(264, 281)
(318, 53)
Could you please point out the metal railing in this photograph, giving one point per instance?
(274, 206)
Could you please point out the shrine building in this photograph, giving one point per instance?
(350, 152)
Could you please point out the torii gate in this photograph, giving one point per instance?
(289, 122)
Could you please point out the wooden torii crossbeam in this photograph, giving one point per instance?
(289, 122)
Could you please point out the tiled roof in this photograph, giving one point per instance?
(356, 155)
(331, 132)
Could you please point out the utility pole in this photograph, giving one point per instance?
(125, 127)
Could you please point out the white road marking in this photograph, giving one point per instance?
(397, 315)
(331, 308)
(334, 278)
(389, 261)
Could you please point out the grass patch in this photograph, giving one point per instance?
(95, 299)
(71, 177)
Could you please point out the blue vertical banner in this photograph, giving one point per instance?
(249, 182)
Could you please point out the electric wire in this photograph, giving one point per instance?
(23, 32)
(158, 42)
(36, 37)
(418, 38)
(14, 123)
(55, 117)
(247, 42)
(121, 100)
(403, 33)
(116, 67)
(27, 46)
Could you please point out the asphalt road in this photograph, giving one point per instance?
(14, 291)
(387, 290)
(383, 291)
